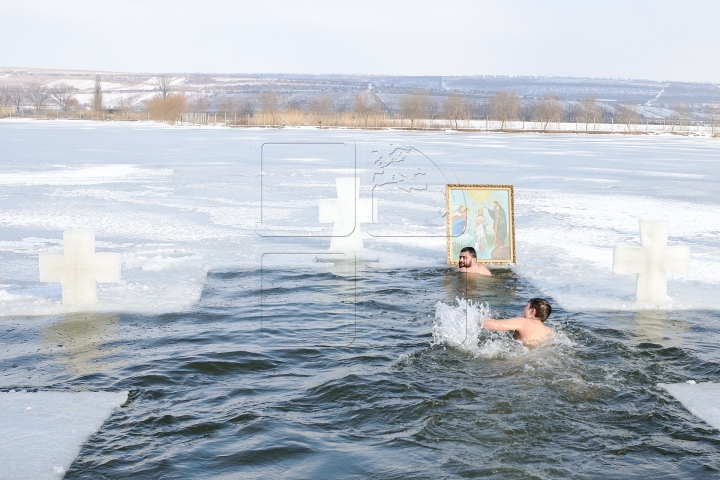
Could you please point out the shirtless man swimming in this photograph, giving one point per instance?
(467, 263)
(529, 327)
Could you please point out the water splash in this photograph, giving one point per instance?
(459, 326)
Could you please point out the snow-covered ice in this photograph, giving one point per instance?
(176, 202)
(701, 399)
(41, 432)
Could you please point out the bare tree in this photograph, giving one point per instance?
(414, 106)
(479, 108)
(342, 105)
(228, 106)
(588, 111)
(681, 114)
(321, 108)
(433, 108)
(294, 104)
(62, 93)
(15, 96)
(422, 104)
(125, 103)
(270, 105)
(74, 104)
(712, 113)
(627, 114)
(164, 85)
(199, 104)
(548, 109)
(406, 106)
(97, 99)
(456, 108)
(248, 107)
(366, 105)
(37, 94)
(504, 106)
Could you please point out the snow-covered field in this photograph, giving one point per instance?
(178, 202)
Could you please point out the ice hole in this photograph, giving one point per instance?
(308, 299)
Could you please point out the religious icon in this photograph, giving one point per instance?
(482, 217)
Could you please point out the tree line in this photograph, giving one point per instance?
(411, 110)
(39, 96)
(415, 109)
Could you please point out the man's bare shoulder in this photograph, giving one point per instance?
(534, 332)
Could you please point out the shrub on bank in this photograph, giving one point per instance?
(167, 109)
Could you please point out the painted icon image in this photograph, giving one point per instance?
(482, 217)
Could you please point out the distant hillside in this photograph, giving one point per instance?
(650, 99)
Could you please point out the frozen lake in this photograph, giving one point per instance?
(178, 202)
(218, 328)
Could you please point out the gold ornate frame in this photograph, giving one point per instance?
(511, 219)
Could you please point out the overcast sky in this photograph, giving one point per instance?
(658, 39)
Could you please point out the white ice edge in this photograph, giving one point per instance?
(700, 399)
(41, 433)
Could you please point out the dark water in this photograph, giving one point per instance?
(316, 374)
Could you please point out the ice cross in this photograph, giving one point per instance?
(79, 267)
(651, 261)
(347, 212)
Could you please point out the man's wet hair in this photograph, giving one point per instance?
(542, 308)
(471, 251)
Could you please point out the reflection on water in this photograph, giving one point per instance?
(499, 289)
(653, 326)
(82, 337)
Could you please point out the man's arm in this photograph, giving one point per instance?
(516, 323)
